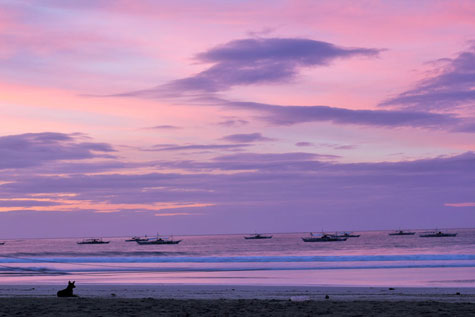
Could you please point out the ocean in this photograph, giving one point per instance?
(373, 259)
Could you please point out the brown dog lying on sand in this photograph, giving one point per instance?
(68, 291)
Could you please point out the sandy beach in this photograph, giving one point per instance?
(32, 306)
(231, 292)
(212, 300)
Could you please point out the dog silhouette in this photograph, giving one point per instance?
(68, 291)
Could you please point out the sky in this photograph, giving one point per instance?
(198, 117)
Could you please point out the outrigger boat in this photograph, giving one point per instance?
(137, 238)
(258, 236)
(345, 235)
(437, 234)
(93, 241)
(323, 238)
(402, 233)
(158, 240)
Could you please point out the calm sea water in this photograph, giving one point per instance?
(373, 259)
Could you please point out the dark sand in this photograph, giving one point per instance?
(226, 300)
(50, 306)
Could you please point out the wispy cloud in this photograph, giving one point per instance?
(161, 148)
(251, 185)
(255, 61)
(289, 115)
(233, 122)
(452, 88)
(303, 143)
(328, 145)
(338, 146)
(163, 127)
(246, 138)
(31, 149)
(277, 60)
(275, 180)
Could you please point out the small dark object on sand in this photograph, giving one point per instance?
(391, 289)
(458, 293)
(113, 295)
(327, 297)
(68, 291)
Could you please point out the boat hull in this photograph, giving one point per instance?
(438, 235)
(402, 234)
(158, 242)
(258, 238)
(103, 242)
(323, 239)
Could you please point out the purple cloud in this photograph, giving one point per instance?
(246, 138)
(289, 115)
(26, 203)
(234, 122)
(273, 157)
(467, 126)
(161, 148)
(304, 144)
(31, 149)
(271, 162)
(315, 187)
(163, 127)
(338, 146)
(449, 90)
(266, 185)
(264, 162)
(255, 61)
(329, 145)
(69, 168)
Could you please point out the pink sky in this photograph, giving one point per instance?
(218, 116)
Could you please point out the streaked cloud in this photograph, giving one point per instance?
(233, 122)
(246, 138)
(450, 89)
(163, 127)
(303, 143)
(255, 61)
(161, 148)
(30, 149)
(289, 115)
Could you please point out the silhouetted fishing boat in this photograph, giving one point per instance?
(159, 240)
(437, 234)
(323, 238)
(257, 236)
(345, 235)
(137, 238)
(93, 241)
(2, 243)
(402, 233)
